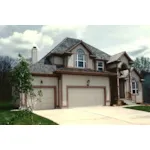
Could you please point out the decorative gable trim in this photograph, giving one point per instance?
(128, 57)
(81, 42)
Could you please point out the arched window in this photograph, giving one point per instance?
(135, 89)
(80, 61)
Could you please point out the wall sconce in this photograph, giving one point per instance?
(41, 82)
(88, 82)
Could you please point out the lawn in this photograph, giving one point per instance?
(8, 117)
(142, 108)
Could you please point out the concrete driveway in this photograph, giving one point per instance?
(96, 115)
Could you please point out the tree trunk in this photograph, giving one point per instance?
(23, 101)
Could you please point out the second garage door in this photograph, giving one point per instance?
(80, 97)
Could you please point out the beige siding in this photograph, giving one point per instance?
(78, 80)
(124, 60)
(58, 60)
(126, 88)
(72, 58)
(47, 81)
(139, 96)
(80, 97)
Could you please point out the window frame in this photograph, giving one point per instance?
(102, 67)
(136, 88)
(78, 60)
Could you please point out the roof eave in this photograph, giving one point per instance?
(84, 73)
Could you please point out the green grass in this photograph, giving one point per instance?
(142, 108)
(8, 117)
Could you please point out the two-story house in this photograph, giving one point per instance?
(76, 74)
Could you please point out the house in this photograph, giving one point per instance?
(76, 74)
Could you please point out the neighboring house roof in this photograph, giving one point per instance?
(42, 68)
(117, 56)
(69, 43)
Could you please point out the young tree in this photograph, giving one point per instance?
(21, 80)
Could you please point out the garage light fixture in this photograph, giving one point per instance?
(88, 82)
(41, 82)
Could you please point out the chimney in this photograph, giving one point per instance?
(34, 56)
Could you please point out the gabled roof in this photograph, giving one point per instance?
(68, 43)
(116, 57)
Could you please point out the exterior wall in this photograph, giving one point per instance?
(111, 66)
(58, 60)
(124, 59)
(78, 80)
(139, 96)
(72, 58)
(126, 88)
(47, 81)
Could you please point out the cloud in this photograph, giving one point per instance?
(139, 51)
(21, 39)
(110, 39)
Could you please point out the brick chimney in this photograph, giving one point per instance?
(34, 56)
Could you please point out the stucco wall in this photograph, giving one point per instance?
(124, 59)
(58, 60)
(139, 96)
(78, 80)
(72, 58)
(48, 81)
(135, 97)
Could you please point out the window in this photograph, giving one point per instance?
(100, 66)
(134, 87)
(80, 62)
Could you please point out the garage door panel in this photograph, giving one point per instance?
(47, 100)
(85, 97)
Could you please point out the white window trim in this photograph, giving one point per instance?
(99, 66)
(84, 62)
(136, 87)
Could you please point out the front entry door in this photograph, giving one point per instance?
(122, 92)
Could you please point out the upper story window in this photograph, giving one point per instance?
(135, 89)
(80, 62)
(100, 65)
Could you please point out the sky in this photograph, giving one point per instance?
(112, 39)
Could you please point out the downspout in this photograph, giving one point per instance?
(130, 93)
(118, 88)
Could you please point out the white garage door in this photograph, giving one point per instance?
(47, 100)
(80, 97)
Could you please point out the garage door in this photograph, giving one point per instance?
(80, 97)
(47, 100)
